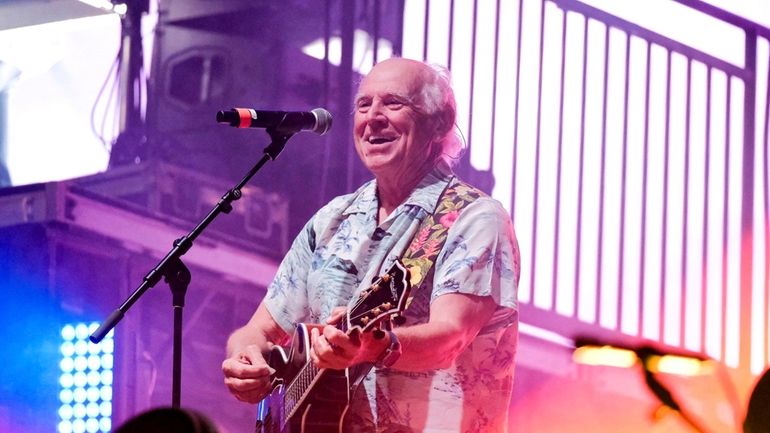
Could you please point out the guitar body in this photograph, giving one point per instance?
(306, 399)
(321, 411)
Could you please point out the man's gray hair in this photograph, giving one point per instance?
(438, 102)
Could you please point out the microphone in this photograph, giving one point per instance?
(317, 120)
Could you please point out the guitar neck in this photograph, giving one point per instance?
(300, 387)
(302, 384)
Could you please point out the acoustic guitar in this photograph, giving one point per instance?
(308, 399)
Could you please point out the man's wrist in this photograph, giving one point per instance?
(392, 351)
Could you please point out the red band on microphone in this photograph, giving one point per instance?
(246, 116)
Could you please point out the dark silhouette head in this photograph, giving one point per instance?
(168, 420)
(758, 413)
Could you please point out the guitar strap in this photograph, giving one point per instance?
(432, 233)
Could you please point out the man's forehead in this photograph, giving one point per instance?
(382, 93)
(402, 87)
(393, 76)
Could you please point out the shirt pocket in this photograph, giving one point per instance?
(331, 285)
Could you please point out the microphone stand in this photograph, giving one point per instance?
(176, 274)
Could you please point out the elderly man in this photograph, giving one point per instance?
(449, 367)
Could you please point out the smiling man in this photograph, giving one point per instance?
(449, 366)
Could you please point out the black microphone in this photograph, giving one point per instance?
(318, 120)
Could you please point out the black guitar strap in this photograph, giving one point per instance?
(432, 233)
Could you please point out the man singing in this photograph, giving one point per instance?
(449, 367)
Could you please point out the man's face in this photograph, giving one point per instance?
(392, 137)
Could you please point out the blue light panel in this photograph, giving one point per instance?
(86, 381)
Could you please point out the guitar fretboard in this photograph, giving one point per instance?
(298, 389)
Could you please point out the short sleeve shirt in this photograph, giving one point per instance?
(342, 249)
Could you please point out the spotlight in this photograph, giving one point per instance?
(593, 352)
(86, 381)
(653, 360)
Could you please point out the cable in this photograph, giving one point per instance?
(115, 68)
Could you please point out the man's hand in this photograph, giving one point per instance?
(332, 348)
(247, 374)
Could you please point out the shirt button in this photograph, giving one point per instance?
(379, 234)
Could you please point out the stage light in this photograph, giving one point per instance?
(81, 347)
(363, 50)
(78, 426)
(79, 411)
(106, 393)
(107, 361)
(94, 362)
(67, 349)
(105, 409)
(68, 333)
(651, 359)
(81, 363)
(94, 378)
(86, 381)
(106, 377)
(679, 365)
(79, 379)
(65, 412)
(67, 364)
(92, 394)
(107, 5)
(92, 410)
(81, 332)
(79, 395)
(105, 424)
(65, 427)
(66, 380)
(605, 355)
(92, 425)
(65, 396)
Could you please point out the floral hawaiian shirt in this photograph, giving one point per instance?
(339, 252)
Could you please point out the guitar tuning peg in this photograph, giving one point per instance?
(399, 319)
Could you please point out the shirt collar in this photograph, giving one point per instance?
(424, 195)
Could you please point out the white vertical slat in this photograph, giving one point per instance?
(462, 38)
(716, 189)
(483, 83)
(735, 199)
(675, 203)
(591, 171)
(655, 174)
(634, 183)
(414, 29)
(570, 171)
(438, 33)
(505, 103)
(549, 154)
(695, 202)
(759, 345)
(613, 177)
(526, 136)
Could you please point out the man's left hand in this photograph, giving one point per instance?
(332, 348)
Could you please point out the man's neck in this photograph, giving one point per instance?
(393, 191)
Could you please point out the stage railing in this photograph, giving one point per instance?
(632, 156)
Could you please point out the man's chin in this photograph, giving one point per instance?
(377, 163)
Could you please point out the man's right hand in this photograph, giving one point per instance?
(247, 374)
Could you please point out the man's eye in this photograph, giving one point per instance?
(363, 105)
(394, 104)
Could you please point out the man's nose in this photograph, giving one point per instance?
(376, 114)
